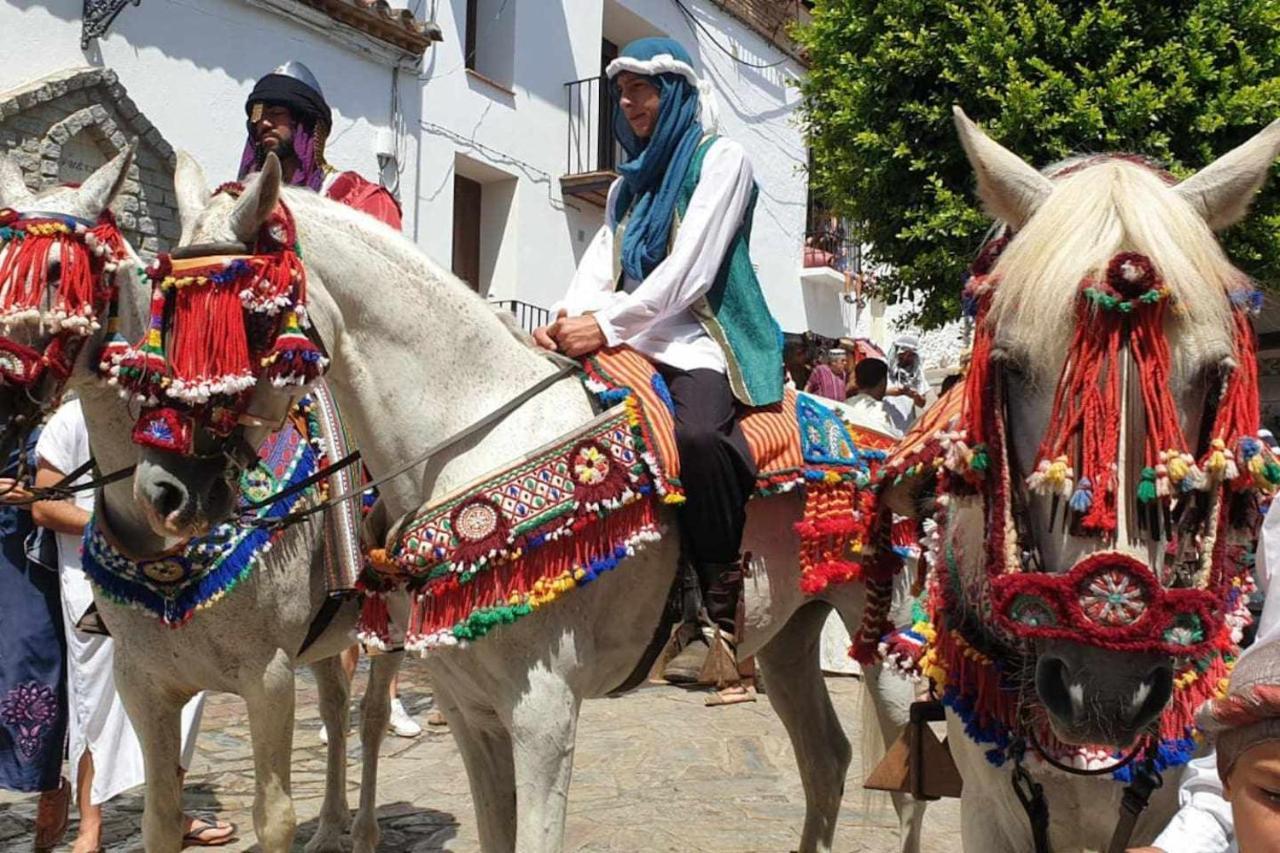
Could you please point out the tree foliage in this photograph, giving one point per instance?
(1182, 81)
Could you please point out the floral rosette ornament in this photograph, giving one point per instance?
(88, 255)
(217, 325)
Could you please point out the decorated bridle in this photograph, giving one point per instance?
(1198, 499)
(219, 322)
(89, 255)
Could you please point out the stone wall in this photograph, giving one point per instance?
(61, 128)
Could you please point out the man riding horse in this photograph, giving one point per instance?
(288, 115)
(669, 275)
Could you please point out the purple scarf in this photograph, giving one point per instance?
(310, 171)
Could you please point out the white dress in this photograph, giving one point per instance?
(97, 719)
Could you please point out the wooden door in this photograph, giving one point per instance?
(466, 230)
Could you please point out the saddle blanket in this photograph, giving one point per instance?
(495, 550)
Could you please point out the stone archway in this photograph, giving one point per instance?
(62, 127)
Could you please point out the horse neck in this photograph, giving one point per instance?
(417, 357)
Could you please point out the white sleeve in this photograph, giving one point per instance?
(58, 444)
(593, 285)
(1268, 563)
(1203, 822)
(706, 232)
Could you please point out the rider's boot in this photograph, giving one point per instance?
(721, 589)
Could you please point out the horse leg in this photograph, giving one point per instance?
(486, 751)
(269, 695)
(375, 711)
(543, 725)
(891, 697)
(157, 720)
(335, 816)
(798, 694)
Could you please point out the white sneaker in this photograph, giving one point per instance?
(401, 724)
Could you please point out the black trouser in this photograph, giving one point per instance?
(718, 474)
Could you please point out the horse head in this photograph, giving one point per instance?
(1100, 488)
(64, 269)
(228, 309)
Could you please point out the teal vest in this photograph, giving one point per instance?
(734, 312)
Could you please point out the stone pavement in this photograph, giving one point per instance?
(654, 771)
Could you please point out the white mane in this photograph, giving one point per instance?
(1111, 207)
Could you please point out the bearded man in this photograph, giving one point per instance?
(288, 116)
(670, 275)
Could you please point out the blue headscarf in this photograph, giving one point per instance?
(655, 167)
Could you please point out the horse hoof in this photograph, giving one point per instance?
(325, 842)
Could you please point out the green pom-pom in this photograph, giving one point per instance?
(1147, 488)
(1272, 472)
(981, 461)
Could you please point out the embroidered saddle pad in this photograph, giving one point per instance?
(495, 550)
(174, 586)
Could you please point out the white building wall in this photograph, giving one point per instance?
(522, 133)
(189, 67)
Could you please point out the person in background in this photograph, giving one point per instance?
(1206, 821)
(907, 385)
(867, 406)
(289, 116)
(33, 650)
(104, 754)
(828, 377)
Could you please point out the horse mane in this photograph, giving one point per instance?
(1101, 206)
(402, 252)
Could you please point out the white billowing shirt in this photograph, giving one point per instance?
(654, 316)
(64, 444)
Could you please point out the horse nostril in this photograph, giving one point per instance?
(1152, 695)
(1053, 684)
(167, 498)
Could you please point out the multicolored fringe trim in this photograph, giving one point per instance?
(89, 256)
(496, 551)
(198, 574)
(217, 326)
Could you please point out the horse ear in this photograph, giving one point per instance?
(13, 187)
(1010, 189)
(1221, 192)
(192, 190)
(257, 201)
(100, 189)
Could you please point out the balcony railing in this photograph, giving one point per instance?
(528, 317)
(590, 147)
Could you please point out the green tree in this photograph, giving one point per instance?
(1182, 81)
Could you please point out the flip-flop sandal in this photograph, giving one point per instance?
(199, 834)
(733, 695)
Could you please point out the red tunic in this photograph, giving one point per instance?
(365, 196)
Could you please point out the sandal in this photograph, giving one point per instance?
(208, 833)
(734, 694)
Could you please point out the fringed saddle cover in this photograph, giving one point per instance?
(497, 549)
(175, 586)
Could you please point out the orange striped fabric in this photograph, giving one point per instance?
(920, 444)
(771, 431)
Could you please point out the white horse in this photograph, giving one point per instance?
(248, 642)
(417, 356)
(1068, 228)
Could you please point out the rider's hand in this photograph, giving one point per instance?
(542, 335)
(11, 491)
(577, 336)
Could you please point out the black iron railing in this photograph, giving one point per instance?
(590, 145)
(528, 317)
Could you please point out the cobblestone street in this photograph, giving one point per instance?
(655, 770)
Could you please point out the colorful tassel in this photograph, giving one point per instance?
(294, 359)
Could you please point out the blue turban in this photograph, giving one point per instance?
(655, 167)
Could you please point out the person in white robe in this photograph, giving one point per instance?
(103, 749)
